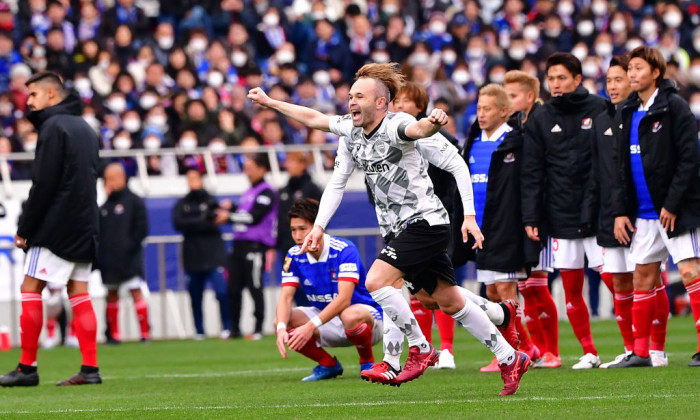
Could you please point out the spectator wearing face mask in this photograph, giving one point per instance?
(162, 42)
(186, 144)
(436, 35)
(122, 141)
(165, 165)
(270, 33)
(131, 122)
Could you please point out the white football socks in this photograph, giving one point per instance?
(474, 320)
(493, 310)
(393, 343)
(395, 306)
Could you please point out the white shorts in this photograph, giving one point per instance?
(545, 260)
(569, 254)
(43, 264)
(332, 333)
(617, 260)
(489, 277)
(55, 286)
(133, 283)
(651, 244)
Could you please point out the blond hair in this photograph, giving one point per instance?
(498, 93)
(389, 79)
(526, 80)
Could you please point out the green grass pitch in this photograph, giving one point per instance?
(249, 380)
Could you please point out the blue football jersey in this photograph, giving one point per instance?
(645, 207)
(339, 261)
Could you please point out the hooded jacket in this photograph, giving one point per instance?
(668, 142)
(556, 167)
(61, 212)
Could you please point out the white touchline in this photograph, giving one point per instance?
(352, 404)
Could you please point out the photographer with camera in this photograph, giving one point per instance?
(203, 250)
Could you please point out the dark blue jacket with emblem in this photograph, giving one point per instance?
(123, 227)
(556, 170)
(668, 139)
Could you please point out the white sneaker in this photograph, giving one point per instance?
(617, 360)
(72, 341)
(198, 337)
(446, 360)
(50, 343)
(587, 361)
(225, 334)
(254, 337)
(658, 358)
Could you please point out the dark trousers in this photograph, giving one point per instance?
(196, 285)
(245, 270)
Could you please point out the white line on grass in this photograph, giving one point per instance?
(210, 374)
(349, 404)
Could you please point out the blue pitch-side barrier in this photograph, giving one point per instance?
(354, 212)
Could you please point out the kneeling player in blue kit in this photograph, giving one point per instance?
(342, 312)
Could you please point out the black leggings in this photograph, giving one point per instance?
(245, 270)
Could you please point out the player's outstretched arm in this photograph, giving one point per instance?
(331, 198)
(426, 127)
(307, 116)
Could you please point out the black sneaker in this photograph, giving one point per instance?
(18, 378)
(111, 341)
(82, 378)
(695, 360)
(632, 360)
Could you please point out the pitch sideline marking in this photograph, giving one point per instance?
(348, 404)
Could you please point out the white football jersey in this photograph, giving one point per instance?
(395, 169)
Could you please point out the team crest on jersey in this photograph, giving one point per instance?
(119, 209)
(656, 127)
(510, 157)
(287, 264)
(334, 274)
(380, 147)
(586, 124)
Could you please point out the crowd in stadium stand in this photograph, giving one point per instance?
(162, 74)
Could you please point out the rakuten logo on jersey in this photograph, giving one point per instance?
(375, 168)
(478, 178)
(322, 298)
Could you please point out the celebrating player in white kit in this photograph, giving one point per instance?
(412, 220)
